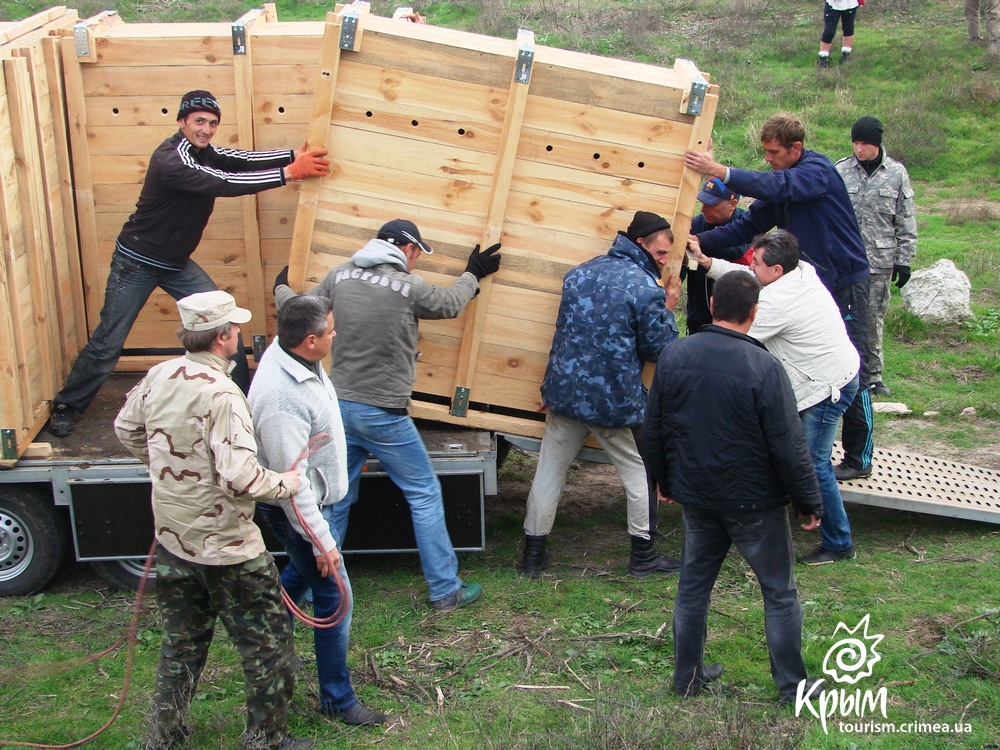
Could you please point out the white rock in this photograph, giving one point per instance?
(890, 408)
(969, 412)
(939, 294)
(931, 413)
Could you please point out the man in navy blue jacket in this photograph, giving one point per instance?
(805, 195)
(613, 317)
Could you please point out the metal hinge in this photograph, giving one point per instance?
(460, 403)
(525, 55)
(699, 87)
(239, 38)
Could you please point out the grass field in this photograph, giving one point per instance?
(596, 640)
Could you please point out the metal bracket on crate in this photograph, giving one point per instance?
(8, 444)
(460, 403)
(239, 38)
(699, 88)
(525, 55)
(349, 28)
(81, 39)
(259, 346)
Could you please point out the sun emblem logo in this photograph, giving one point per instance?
(850, 659)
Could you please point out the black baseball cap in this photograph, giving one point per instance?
(403, 232)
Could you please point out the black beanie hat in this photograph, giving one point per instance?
(644, 224)
(198, 101)
(867, 130)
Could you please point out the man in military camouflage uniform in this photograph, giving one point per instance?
(613, 317)
(190, 423)
(880, 192)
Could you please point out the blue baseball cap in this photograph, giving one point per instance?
(715, 191)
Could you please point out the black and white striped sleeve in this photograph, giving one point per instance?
(183, 170)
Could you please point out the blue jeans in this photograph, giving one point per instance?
(129, 285)
(765, 541)
(819, 422)
(335, 691)
(393, 439)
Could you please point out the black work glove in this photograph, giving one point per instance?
(900, 274)
(484, 263)
(281, 278)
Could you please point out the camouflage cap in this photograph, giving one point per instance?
(207, 310)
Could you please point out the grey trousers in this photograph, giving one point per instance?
(989, 11)
(878, 306)
(563, 439)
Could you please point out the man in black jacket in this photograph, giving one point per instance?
(723, 438)
(185, 176)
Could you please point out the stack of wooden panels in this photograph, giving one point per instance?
(479, 140)
(42, 324)
(422, 123)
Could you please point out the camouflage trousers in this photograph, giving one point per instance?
(247, 598)
(878, 306)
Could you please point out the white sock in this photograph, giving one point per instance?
(845, 50)
(824, 54)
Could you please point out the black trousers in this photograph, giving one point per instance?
(830, 18)
(765, 541)
(858, 437)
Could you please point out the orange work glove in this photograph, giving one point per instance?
(309, 164)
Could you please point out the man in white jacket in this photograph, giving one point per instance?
(292, 401)
(800, 324)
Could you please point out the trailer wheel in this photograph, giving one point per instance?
(125, 575)
(34, 537)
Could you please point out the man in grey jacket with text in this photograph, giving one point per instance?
(377, 301)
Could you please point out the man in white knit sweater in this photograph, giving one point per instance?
(799, 323)
(292, 400)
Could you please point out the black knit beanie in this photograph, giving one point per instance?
(198, 101)
(867, 130)
(644, 224)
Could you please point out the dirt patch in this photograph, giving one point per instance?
(986, 456)
(970, 209)
(925, 631)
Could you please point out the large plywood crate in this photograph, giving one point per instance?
(479, 140)
(455, 131)
(42, 324)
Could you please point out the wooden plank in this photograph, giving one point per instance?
(13, 357)
(155, 80)
(701, 137)
(142, 141)
(76, 112)
(202, 50)
(465, 372)
(130, 111)
(34, 218)
(480, 420)
(31, 23)
(60, 306)
(243, 71)
(600, 190)
(318, 136)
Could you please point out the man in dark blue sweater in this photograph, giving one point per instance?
(805, 195)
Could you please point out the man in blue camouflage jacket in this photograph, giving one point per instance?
(613, 317)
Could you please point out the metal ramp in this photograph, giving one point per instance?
(905, 481)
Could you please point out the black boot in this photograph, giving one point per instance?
(646, 559)
(536, 557)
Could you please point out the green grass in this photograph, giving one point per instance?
(938, 99)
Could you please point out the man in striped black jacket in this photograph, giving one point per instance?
(185, 176)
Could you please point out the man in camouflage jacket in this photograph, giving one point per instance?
(190, 423)
(880, 192)
(613, 317)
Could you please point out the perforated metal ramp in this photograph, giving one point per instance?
(905, 481)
